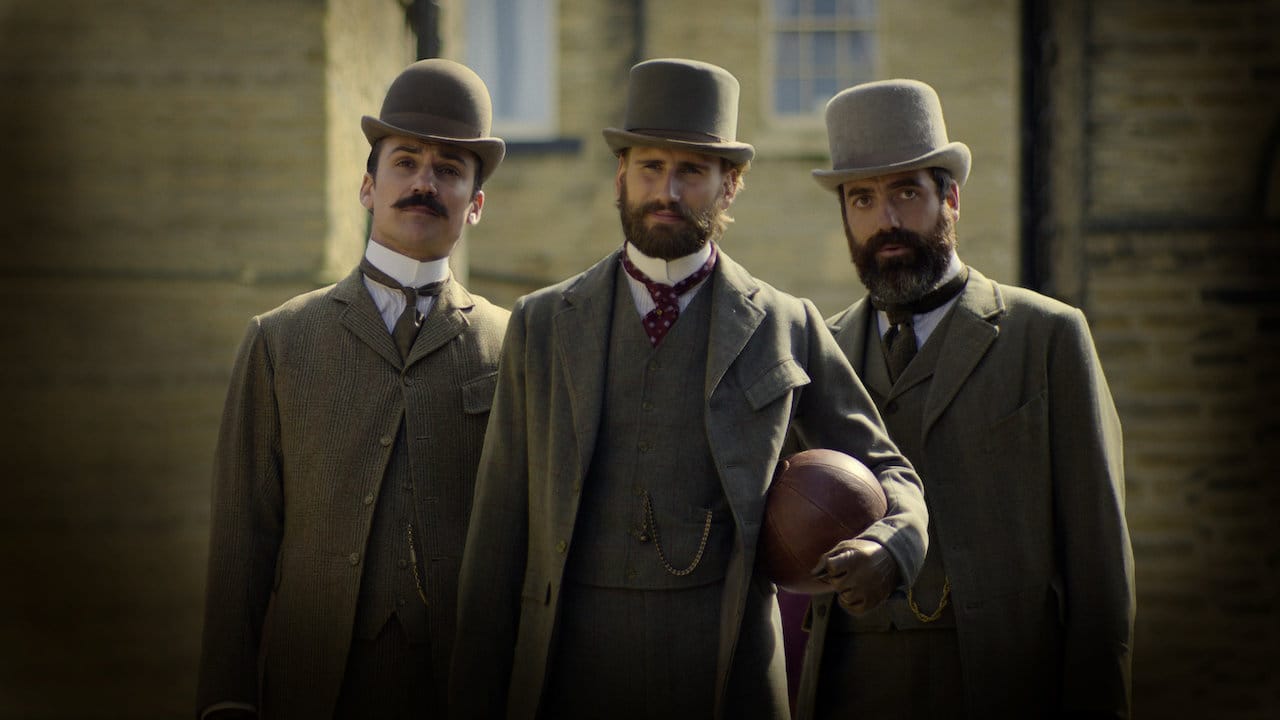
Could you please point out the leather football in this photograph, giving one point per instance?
(818, 498)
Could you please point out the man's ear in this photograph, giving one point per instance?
(366, 192)
(729, 183)
(617, 178)
(477, 204)
(953, 200)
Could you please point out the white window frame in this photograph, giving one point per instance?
(513, 45)
(848, 72)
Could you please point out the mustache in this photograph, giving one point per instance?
(895, 236)
(675, 207)
(427, 201)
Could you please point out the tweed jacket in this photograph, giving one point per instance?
(317, 399)
(772, 367)
(1024, 476)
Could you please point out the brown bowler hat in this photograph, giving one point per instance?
(439, 100)
(684, 105)
(888, 126)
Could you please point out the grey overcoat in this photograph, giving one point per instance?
(316, 400)
(1024, 473)
(772, 367)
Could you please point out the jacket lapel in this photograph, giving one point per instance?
(972, 328)
(581, 329)
(850, 331)
(361, 317)
(447, 320)
(734, 318)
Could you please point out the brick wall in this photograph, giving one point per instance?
(170, 170)
(1174, 109)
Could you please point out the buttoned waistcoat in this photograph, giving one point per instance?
(772, 367)
(317, 397)
(1022, 461)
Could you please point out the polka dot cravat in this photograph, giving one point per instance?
(659, 320)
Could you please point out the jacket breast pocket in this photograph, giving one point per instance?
(477, 394)
(775, 382)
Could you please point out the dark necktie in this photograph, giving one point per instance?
(666, 298)
(406, 328)
(900, 340)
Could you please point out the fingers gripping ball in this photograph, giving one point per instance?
(818, 498)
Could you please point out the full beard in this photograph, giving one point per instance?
(666, 241)
(906, 278)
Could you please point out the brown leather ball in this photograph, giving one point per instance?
(818, 498)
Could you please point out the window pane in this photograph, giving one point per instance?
(788, 59)
(824, 8)
(787, 98)
(824, 87)
(859, 51)
(785, 9)
(824, 53)
(858, 9)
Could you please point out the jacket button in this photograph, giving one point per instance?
(562, 546)
(385, 440)
(368, 499)
(354, 558)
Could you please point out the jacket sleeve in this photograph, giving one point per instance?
(493, 561)
(1097, 559)
(837, 413)
(246, 526)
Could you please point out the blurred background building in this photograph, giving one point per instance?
(172, 167)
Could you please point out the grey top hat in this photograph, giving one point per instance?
(682, 104)
(888, 126)
(439, 100)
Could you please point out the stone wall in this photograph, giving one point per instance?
(171, 169)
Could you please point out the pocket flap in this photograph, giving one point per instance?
(477, 393)
(776, 381)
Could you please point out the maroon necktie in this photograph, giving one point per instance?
(666, 298)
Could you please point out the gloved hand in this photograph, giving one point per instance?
(862, 573)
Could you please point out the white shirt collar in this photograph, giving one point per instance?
(668, 272)
(405, 270)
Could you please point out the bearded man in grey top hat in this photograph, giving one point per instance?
(1025, 605)
(350, 439)
(610, 568)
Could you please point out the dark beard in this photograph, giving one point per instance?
(905, 279)
(667, 242)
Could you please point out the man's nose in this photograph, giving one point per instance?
(424, 182)
(672, 187)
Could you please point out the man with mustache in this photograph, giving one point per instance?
(1025, 605)
(641, 409)
(350, 439)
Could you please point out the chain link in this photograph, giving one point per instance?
(946, 593)
(413, 558)
(651, 524)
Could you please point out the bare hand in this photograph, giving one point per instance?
(861, 571)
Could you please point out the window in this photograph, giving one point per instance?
(820, 47)
(511, 44)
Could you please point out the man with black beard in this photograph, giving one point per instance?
(1025, 605)
(641, 409)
